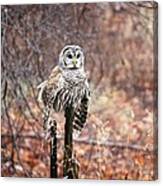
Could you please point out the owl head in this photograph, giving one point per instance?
(71, 57)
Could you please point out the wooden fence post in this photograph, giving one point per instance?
(53, 151)
(69, 165)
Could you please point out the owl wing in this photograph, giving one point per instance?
(81, 113)
(48, 86)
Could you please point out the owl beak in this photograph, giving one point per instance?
(74, 61)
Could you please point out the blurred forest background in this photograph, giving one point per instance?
(119, 140)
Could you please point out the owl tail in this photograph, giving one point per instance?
(41, 88)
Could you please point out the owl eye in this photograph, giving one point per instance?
(78, 55)
(69, 56)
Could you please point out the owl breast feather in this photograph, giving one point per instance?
(71, 89)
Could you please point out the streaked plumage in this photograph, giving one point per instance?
(67, 84)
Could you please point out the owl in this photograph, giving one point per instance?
(67, 85)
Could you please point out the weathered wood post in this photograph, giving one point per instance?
(69, 165)
(53, 151)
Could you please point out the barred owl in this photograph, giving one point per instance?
(67, 85)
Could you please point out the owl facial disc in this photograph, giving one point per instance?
(71, 57)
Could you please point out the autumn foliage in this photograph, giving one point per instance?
(119, 140)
